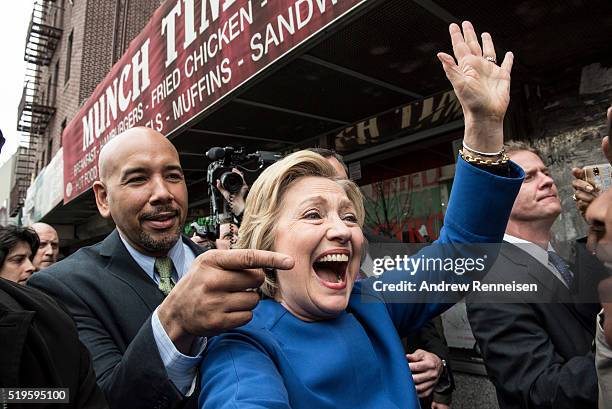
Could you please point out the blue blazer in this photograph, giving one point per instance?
(355, 360)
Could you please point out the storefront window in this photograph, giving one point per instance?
(409, 208)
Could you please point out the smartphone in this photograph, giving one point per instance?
(599, 175)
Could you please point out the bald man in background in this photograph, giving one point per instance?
(146, 298)
(48, 251)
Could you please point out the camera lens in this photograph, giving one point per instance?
(232, 182)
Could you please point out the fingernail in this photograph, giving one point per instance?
(589, 188)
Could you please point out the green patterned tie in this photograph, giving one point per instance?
(163, 266)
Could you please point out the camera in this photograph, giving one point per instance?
(223, 160)
(232, 182)
(205, 231)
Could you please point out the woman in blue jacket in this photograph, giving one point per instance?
(318, 339)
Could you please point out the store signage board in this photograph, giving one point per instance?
(191, 54)
(45, 192)
(419, 115)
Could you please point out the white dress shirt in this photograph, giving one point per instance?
(536, 252)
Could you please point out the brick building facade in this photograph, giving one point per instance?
(71, 46)
(97, 32)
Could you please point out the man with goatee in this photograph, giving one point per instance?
(145, 299)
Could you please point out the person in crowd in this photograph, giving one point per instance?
(585, 192)
(145, 299)
(318, 339)
(17, 247)
(426, 350)
(202, 237)
(228, 235)
(598, 214)
(203, 242)
(40, 348)
(229, 223)
(235, 202)
(48, 251)
(428, 357)
(334, 159)
(537, 347)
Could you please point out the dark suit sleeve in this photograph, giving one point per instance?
(522, 363)
(134, 379)
(429, 339)
(88, 395)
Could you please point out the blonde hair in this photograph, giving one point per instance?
(265, 202)
(517, 146)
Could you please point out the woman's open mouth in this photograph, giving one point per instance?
(331, 270)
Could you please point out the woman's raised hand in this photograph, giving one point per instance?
(482, 86)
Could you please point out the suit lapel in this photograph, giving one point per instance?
(559, 293)
(122, 266)
(517, 255)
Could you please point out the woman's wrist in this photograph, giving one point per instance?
(485, 134)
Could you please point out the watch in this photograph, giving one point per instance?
(445, 382)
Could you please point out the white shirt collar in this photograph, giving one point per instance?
(531, 248)
(536, 252)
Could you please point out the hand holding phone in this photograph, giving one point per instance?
(584, 191)
(599, 176)
(605, 143)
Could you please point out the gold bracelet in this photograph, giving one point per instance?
(474, 160)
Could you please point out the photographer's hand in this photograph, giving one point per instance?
(237, 201)
(199, 240)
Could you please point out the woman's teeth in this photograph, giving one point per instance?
(331, 267)
(333, 257)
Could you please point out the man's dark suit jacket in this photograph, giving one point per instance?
(111, 300)
(39, 348)
(537, 348)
